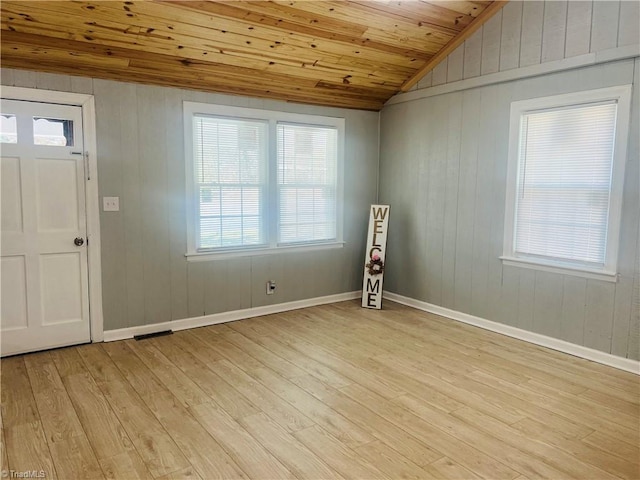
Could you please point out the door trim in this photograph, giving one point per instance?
(87, 102)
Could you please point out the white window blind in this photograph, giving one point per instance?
(564, 183)
(307, 183)
(230, 161)
(261, 182)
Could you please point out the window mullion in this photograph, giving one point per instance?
(272, 206)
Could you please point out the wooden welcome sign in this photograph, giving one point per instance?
(374, 258)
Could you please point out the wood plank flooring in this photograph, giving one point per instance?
(326, 392)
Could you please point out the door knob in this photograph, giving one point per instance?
(79, 241)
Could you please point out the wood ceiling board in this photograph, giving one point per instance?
(64, 49)
(227, 36)
(425, 14)
(174, 64)
(322, 69)
(314, 41)
(283, 14)
(380, 26)
(361, 71)
(341, 53)
(313, 24)
(327, 15)
(169, 80)
(62, 59)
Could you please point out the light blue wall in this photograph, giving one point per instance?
(145, 276)
(443, 165)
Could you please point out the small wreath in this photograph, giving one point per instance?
(375, 266)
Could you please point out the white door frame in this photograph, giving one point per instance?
(88, 104)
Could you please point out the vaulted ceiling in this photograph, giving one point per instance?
(354, 54)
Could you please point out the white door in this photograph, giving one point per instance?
(43, 249)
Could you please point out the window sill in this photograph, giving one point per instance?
(254, 252)
(561, 269)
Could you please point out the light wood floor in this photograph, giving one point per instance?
(326, 392)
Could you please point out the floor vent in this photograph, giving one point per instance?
(154, 334)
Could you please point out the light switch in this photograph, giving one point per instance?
(111, 204)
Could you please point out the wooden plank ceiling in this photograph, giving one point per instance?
(354, 54)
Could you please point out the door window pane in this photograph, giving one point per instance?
(8, 128)
(52, 131)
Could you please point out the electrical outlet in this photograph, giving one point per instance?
(271, 287)
(111, 204)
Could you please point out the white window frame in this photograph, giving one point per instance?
(272, 117)
(620, 94)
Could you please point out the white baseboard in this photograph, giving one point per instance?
(223, 317)
(625, 364)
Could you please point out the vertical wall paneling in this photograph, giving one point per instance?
(578, 40)
(506, 308)
(629, 28)
(455, 64)
(622, 317)
(360, 178)
(599, 315)
(390, 178)
(81, 85)
(547, 306)
(261, 267)
(499, 289)
(466, 200)
(449, 232)
(426, 81)
(53, 81)
(110, 163)
(408, 234)
(526, 298)
(482, 204)
(387, 180)
(554, 30)
(510, 35)
(291, 288)
(196, 281)
(436, 169)
(574, 297)
(6, 74)
(240, 284)
(473, 55)
(421, 222)
(176, 182)
(473, 280)
(604, 30)
(24, 78)
(531, 35)
(491, 34)
(215, 294)
(131, 201)
(440, 73)
(154, 203)
(537, 31)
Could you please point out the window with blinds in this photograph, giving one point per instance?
(260, 181)
(566, 191)
(230, 160)
(307, 181)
